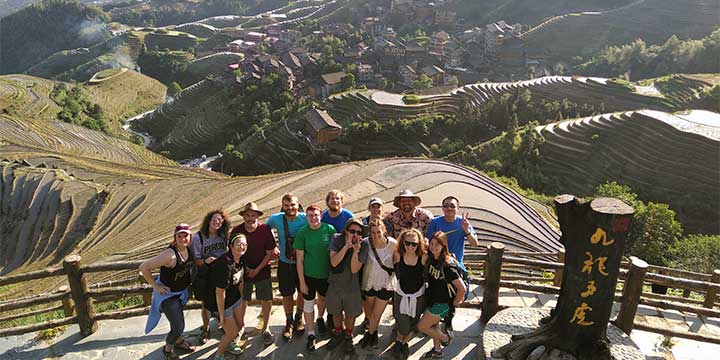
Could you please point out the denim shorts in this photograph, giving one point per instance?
(229, 311)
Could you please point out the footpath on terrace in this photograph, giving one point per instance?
(124, 339)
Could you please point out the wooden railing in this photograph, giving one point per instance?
(500, 268)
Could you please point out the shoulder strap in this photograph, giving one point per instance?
(377, 258)
(286, 227)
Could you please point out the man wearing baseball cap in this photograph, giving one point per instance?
(260, 248)
(408, 214)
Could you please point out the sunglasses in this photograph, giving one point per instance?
(355, 232)
(410, 243)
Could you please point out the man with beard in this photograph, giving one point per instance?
(408, 215)
(260, 248)
(336, 215)
(287, 223)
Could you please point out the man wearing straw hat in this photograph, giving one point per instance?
(408, 214)
(260, 248)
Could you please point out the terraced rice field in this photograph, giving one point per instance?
(654, 21)
(129, 219)
(380, 105)
(672, 159)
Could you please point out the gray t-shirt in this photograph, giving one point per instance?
(345, 278)
(209, 246)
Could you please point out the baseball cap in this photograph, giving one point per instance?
(375, 200)
(182, 228)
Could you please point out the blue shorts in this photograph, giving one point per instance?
(229, 311)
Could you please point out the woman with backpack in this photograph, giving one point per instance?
(170, 289)
(444, 287)
(208, 245)
(409, 300)
(226, 276)
(377, 278)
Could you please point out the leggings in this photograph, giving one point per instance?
(173, 310)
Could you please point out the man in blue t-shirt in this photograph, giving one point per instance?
(336, 215)
(288, 281)
(457, 228)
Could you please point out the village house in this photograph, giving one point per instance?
(365, 73)
(372, 26)
(255, 36)
(331, 83)
(239, 46)
(435, 73)
(414, 52)
(445, 18)
(407, 75)
(495, 35)
(438, 41)
(321, 127)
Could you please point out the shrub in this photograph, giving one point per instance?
(700, 253)
(411, 99)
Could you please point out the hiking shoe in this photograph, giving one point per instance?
(349, 347)
(320, 327)
(268, 338)
(433, 354)
(310, 346)
(299, 324)
(336, 338)
(234, 348)
(366, 340)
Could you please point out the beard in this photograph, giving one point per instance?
(291, 212)
(407, 208)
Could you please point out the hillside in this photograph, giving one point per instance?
(654, 21)
(63, 24)
(526, 11)
(669, 158)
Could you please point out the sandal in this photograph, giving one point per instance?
(170, 355)
(184, 345)
(204, 335)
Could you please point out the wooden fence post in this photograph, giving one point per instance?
(66, 304)
(491, 287)
(147, 298)
(78, 288)
(631, 294)
(711, 293)
(557, 281)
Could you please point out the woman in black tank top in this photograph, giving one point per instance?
(175, 265)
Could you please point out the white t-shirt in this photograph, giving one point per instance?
(374, 276)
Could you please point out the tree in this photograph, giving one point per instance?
(424, 82)
(174, 89)
(347, 82)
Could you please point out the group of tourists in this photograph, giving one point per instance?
(334, 262)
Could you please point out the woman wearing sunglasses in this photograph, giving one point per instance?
(377, 278)
(444, 287)
(408, 301)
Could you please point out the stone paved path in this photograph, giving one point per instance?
(124, 339)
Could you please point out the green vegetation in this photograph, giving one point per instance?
(411, 99)
(424, 82)
(640, 60)
(165, 66)
(77, 109)
(700, 253)
(654, 232)
(42, 29)
(711, 98)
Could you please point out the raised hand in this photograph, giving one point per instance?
(465, 223)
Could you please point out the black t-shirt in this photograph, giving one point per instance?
(439, 278)
(410, 277)
(227, 273)
(178, 277)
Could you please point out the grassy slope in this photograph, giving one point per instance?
(526, 11)
(126, 95)
(652, 20)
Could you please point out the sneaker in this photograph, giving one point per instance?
(366, 340)
(322, 330)
(365, 324)
(204, 335)
(288, 330)
(310, 346)
(395, 349)
(299, 323)
(335, 340)
(349, 347)
(329, 322)
(268, 338)
(234, 348)
(433, 354)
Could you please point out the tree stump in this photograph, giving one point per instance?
(594, 238)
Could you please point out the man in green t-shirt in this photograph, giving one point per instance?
(313, 265)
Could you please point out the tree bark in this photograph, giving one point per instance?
(594, 238)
